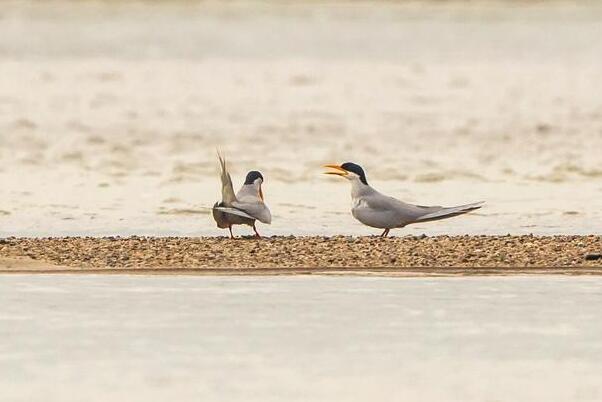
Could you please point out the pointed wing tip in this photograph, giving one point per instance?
(474, 206)
(451, 212)
(268, 221)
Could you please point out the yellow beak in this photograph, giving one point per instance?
(339, 170)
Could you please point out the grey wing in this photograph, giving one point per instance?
(405, 212)
(234, 211)
(228, 196)
(381, 211)
(257, 210)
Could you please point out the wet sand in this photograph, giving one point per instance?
(409, 255)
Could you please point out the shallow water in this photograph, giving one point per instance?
(99, 338)
(110, 113)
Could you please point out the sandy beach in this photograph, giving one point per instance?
(111, 112)
(453, 255)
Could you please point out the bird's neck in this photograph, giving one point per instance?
(359, 189)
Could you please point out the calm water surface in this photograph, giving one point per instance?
(137, 338)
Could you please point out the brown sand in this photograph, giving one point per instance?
(293, 255)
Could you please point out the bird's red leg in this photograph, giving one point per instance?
(256, 232)
(230, 229)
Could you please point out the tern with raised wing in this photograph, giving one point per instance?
(244, 207)
(380, 211)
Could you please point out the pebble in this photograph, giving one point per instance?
(593, 257)
(308, 252)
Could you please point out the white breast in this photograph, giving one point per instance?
(357, 203)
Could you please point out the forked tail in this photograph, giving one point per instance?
(228, 196)
(444, 213)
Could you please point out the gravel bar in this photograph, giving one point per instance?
(342, 252)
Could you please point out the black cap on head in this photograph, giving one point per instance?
(357, 169)
(252, 176)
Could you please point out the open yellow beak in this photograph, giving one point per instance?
(339, 171)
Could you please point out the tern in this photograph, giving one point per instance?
(244, 207)
(380, 211)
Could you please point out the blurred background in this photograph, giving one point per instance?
(111, 112)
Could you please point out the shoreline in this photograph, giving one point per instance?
(442, 272)
(408, 256)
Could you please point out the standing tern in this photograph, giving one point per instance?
(380, 211)
(243, 208)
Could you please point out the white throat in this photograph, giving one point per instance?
(359, 189)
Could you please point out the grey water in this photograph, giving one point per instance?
(186, 338)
